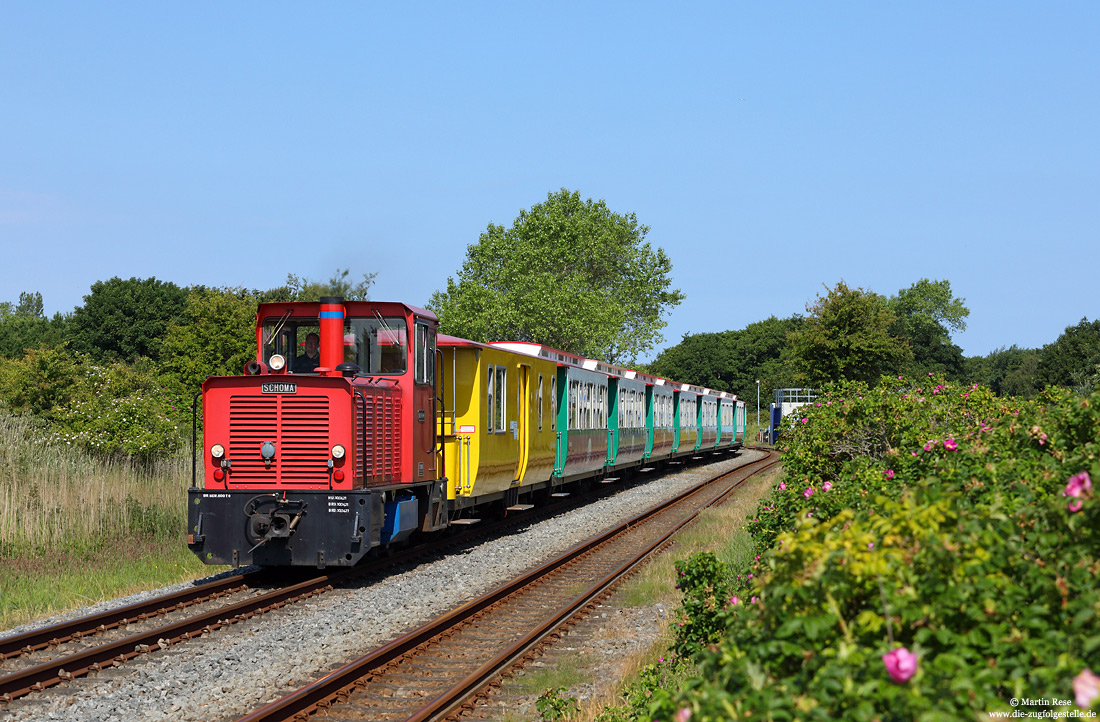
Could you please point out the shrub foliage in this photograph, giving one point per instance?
(922, 515)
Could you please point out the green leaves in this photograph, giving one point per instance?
(125, 320)
(847, 336)
(968, 556)
(569, 274)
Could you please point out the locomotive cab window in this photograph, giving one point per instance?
(424, 355)
(377, 345)
(296, 340)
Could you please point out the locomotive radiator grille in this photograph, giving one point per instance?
(380, 460)
(297, 425)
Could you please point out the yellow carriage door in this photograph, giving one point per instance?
(523, 419)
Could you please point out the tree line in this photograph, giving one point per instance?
(119, 373)
(856, 334)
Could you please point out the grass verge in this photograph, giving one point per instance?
(720, 530)
(42, 584)
(76, 529)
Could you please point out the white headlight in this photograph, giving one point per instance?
(217, 451)
(276, 362)
(338, 452)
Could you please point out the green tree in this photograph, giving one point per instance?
(925, 311)
(25, 326)
(1009, 371)
(41, 381)
(1072, 359)
(30, 304)
(847, 336)
(125, 320)
(214, 335)
(733, 360)
(569, 273)
(303, 289)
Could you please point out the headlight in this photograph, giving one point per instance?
(217, 451)
(338, 452)
(276, 362)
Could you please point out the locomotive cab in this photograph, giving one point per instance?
(326, 447)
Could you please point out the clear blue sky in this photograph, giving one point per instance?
(771, 147)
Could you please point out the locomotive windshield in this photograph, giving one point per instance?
(377, 345)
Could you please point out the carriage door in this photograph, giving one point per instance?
(524, 410)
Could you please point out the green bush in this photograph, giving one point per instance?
(930, 518)
(106, 408)
(994, 605)
(704, 583)
(857, 443)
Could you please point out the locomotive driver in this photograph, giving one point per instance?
(308, 361)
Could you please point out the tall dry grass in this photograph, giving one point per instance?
(57, 497)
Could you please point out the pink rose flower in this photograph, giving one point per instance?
(804, 419)
(889, 473)
(950, 445)
(827, 485)
(901, 664)
(683, 715)
(808, 492)
(734, 600)
(1078, 484)
(782, 486)
(1086, 687)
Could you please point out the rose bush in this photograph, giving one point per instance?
(931, 554)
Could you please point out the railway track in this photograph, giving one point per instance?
(440, 668)
(40, 659)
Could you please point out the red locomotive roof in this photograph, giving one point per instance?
(354, 308)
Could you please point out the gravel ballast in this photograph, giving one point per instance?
(233, 671)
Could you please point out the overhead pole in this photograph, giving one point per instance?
(758, 403)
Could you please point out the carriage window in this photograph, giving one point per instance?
(501, 411)
(553, 403)
(489, 399)
(538, 400)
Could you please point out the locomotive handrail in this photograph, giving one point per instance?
(438, 447)
(194, 437)
(432, 449)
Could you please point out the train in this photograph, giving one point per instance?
(358, 427)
